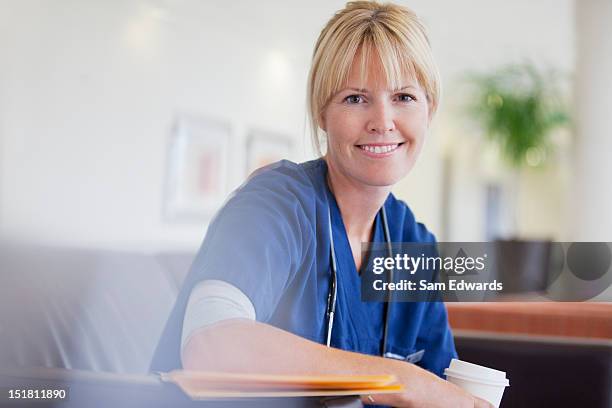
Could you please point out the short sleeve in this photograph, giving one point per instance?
(256, 242)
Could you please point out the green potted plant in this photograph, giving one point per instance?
(517, 106)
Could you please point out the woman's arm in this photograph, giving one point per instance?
(245, 346)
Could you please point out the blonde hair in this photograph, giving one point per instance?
(392, 32)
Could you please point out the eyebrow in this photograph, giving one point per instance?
(363, 90)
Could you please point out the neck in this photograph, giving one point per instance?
(358, 203)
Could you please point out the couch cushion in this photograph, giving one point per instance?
(79, 308)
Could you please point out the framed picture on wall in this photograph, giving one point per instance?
(197, 168)
(264, 148)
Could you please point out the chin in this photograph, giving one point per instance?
(383, 179)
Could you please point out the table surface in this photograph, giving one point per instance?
(570, 319)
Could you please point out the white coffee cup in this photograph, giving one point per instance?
(482, 382)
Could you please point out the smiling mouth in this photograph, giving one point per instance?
(379, 148)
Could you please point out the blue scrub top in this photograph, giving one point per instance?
(271, 240)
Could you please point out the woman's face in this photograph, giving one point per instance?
(374, 134)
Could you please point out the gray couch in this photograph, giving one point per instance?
(85, 309)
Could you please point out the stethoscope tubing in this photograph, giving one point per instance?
(333, 291)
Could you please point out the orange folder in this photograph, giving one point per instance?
(206, 385)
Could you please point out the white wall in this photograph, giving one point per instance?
(89, 90)
(592, 195)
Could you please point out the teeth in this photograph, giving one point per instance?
(379, 149)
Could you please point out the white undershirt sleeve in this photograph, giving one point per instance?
(212, 301)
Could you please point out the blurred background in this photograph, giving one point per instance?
(92, 93)
(125, 124)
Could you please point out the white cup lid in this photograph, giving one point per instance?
(476, 372)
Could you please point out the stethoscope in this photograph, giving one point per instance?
(333, 290)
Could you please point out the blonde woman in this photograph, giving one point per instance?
(275, 286)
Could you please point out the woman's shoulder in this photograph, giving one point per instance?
(287, 175)
(284, 188)
(409, 228)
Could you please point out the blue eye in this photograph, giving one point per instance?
(406, 98)
(353, 99)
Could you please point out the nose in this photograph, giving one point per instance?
(381, 120)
